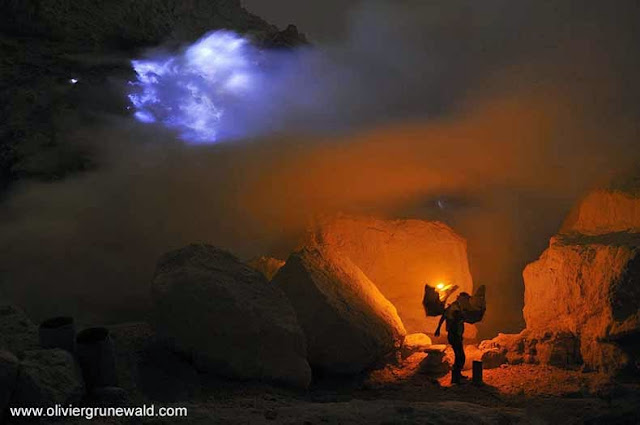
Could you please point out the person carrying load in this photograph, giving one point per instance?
(465, 308)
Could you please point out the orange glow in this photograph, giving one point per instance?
(442, 289)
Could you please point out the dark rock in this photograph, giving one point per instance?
(8, 375)
(271, 415)
(227, 317)
(437, 362)
(46, 378)
(559, 349)
(17, 333)
(147, 369)
(136, 23)
(492, 359)
(287, 38)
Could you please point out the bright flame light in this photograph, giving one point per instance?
(192, 91)
(442, 289)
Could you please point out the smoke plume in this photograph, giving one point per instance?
(492, 116)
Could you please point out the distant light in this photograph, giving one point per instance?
(441, 204)
(73, 80)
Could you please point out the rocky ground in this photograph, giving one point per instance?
(527, 394)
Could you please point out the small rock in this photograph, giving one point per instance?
(46, 378)
(414, 343)
(436, 363)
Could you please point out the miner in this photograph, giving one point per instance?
(454, 316)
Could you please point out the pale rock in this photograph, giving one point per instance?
(349, 325)
(586, 287)
(415, 342)
(399, 256)
(604, 211)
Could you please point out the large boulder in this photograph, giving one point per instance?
(227, 316)
(46, 378)
(585, 287)
(17, 333)
(349, 324)
(399, 256)
(604, 211)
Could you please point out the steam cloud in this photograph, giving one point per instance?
(191, 92)
(493, 116)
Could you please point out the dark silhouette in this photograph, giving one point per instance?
(434, 300)
(454, 317)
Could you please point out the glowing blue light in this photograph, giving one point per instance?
(144, 116)
(192, 91)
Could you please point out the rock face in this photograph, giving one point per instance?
(560, 349)
(400, 256)
(228, 317)
(46, 378)
(348, 323)
(584, 288)
(268, 266)
(17, 333)
(605, 211)
(129, 23)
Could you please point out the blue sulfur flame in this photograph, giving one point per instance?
(192, 91)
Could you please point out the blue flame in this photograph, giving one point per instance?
(191, 92)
